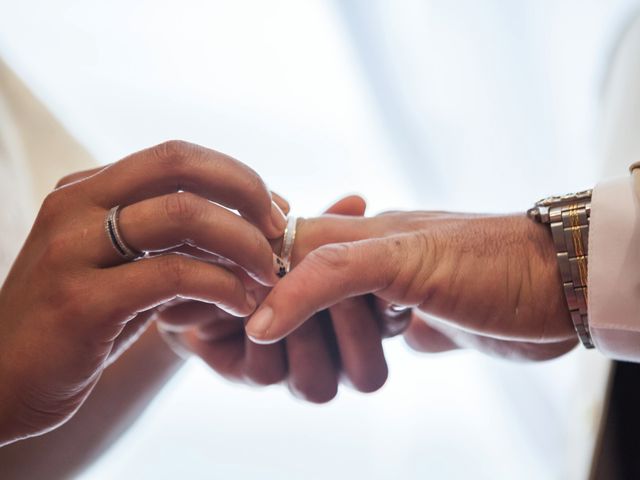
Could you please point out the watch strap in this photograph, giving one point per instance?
(569, 224)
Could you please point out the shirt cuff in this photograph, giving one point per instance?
(614, 270)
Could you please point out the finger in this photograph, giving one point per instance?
(169, 221)
(513, 350)
(359, 343)
(221, 327)
(506, 349)
(338, 226)
(323, 278)
(281, 202)
(197, 253)
(312, 373)
(425, 326)
(225, 356)
(174, 166)
(74, 177)
(185, 315)
(129, 334)
(265, 364)
(345, 343)
(147, 283)
(422, 337)
(353, 205)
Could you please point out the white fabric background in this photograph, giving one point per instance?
(456, 105)
(15, 193)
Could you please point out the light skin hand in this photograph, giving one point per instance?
(487, 282)
(341, 344)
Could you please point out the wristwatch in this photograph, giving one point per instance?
(568, 217)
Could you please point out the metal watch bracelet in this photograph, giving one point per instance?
(568, 216)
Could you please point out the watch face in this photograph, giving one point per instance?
(561, 199)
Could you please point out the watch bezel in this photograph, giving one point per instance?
(540, 211)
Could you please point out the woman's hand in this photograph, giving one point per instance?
(342, 343)
(70, 303)
(482, 277)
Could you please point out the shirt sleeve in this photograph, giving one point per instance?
(614, 270)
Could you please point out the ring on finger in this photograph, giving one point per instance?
(112, 228)
(396, 320)
(284, 260)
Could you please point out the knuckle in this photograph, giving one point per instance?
(52, 205)
(182, 207)
(231, 288)
(172, 148)
(67, 179)
(261, 248)
(256, 191)
(174, 269)
(254, 183)
(332, 256)
(414, 280)
(173, 155)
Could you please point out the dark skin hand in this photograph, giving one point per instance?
(84, 305)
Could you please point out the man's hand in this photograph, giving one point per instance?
(490, 282)
(342, 343)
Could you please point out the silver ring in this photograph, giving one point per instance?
(395, 310)
(113, 232)
(284, 261)
(396, 320)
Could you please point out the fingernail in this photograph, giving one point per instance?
(277, 217)
(281, 201)
(260, 323)
(278, 266)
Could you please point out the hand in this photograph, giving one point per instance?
(70, 304)
(342, 343)
(493, 280)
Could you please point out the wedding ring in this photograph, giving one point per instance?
(396, 320)
(394, 310)
(115, 237)
(284, 262)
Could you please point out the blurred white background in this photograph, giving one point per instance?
(476, 105)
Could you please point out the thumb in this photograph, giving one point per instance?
(352, 205)
(323, 278)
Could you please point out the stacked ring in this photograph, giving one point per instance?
(115, 237)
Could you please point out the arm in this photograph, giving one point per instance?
(125, 389)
